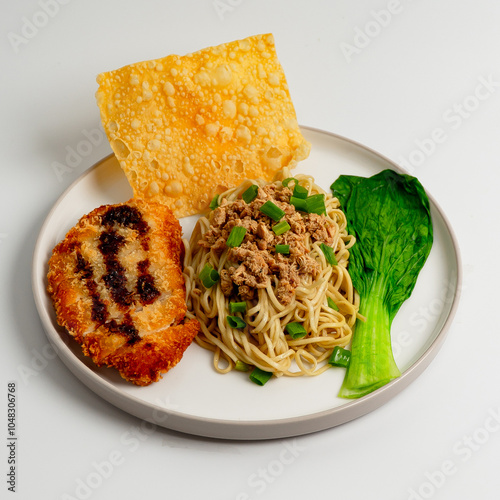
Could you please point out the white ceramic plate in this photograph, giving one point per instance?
(192, 397)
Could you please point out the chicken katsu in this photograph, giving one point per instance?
(117, 287)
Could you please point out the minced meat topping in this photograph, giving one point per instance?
(255, 263)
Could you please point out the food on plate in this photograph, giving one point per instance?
(266, 275)
(274, 276)
(117, 287)
(187, 127)
(389, 216)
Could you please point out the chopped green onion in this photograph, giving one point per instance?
(235, 307)
(287, 181)
(299, 203)
(316, 204)
(300, 192)
(209, 276)
(260, 377)
(235, 322)
(272, 210)
(329, 254)
(251, 193)
(281, 227)
(241, 367)
(284, 249)
(236, 236)
(295, 330)
(332, 304)
(215, 202)
(340, 357)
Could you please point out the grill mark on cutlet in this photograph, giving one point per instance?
(83, 268)
(110, 243)
(146, 284)
(130, 217)
(115, 279)
(126, 327)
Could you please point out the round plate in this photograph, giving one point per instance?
(192, 397)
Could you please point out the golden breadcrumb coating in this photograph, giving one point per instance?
(117, 287)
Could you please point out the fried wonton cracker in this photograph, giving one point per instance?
(187, 127)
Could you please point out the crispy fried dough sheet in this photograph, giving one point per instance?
(185, 128)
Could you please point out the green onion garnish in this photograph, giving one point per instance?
(209, 276)
(284, 249)
(329, 254)
(235, 307)
(332, 304)
(340, 357)
(215, 202)
(251, 193)
(287, 181)
(236, 236)
(300, 192)
(316, 204)
(272, 210)
(295, 330)
(299, 203)
(241, 367)
(281, 227)
(260, 377)
(235, 322)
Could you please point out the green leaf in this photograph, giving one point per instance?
(389, 214)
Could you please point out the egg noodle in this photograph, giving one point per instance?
(264, 342)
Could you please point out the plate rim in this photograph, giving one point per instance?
(248, 429)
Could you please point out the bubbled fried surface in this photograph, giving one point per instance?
(187, 127)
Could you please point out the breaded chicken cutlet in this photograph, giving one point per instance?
(117, 287)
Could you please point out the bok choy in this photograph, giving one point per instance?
(390, 217)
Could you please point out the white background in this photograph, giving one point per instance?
(419, 81)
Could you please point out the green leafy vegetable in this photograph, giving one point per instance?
(389, 215)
